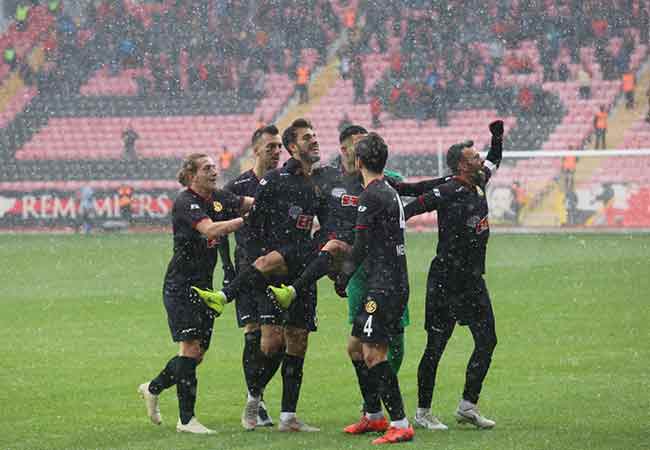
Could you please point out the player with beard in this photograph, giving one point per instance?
(258, 369)
(342, 184)
(201, 215)
(286, 203)
(456, 290)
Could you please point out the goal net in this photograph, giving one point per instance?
(569, 190)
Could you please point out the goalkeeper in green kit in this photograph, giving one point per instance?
(342, 184)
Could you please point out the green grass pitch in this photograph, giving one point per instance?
(82, 324)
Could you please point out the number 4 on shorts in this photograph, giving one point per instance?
(367, 328)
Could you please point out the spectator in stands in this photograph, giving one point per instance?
(584, 82)
(344, 63)
(129, 136)
(302, 80)
(358, 80)
(22, 15)
(600, 126)
(628, 85)
(375, 111)
(226, 159)
(9, 57)
(526, 100)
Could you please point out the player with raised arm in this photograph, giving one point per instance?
(456, 290)
(342, 183)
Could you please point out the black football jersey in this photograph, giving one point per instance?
(195, 256)
(381, 213)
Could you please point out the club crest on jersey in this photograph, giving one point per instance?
(362, 208)
(295, 211)
(349, 200)
(371, 306)
(338, 192)
(218, 207)
(194, 206)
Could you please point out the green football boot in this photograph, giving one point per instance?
(283, 295)
(214, 300)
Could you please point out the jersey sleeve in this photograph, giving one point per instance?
(263, 200)
(431, 201)
(190, 212)
(369, 208)
(232, 204)
(419, 188)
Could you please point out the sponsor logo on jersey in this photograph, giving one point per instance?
(400, 249)
(304, 222)
(349, 200)
(218, 207)
(436, 192)
(263, 182)
(371, 306)
(194, 206)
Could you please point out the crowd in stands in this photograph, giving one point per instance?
(448, 49)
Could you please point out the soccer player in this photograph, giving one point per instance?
(201, 215)
(342, 184)
(258, 369)
(456, 290)
(379, 245)
(286, 203)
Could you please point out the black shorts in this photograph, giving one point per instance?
(381, 317)
(297, 256)
(247, 301)
(301, 314)
(188, 317)
(455, 297)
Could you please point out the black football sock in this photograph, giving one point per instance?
(389, 390)
(428, 368)
(269, 367)
(165, 379)
(248, 275)
(368, 387)
(291, 382)
(186, 387)
(252, 362)
(316, 270)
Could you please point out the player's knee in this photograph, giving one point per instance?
(269, 346)
(354, 351)
(192, 349)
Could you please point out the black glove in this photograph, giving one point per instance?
(341, 284)
(229, 274)
(496, 128)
